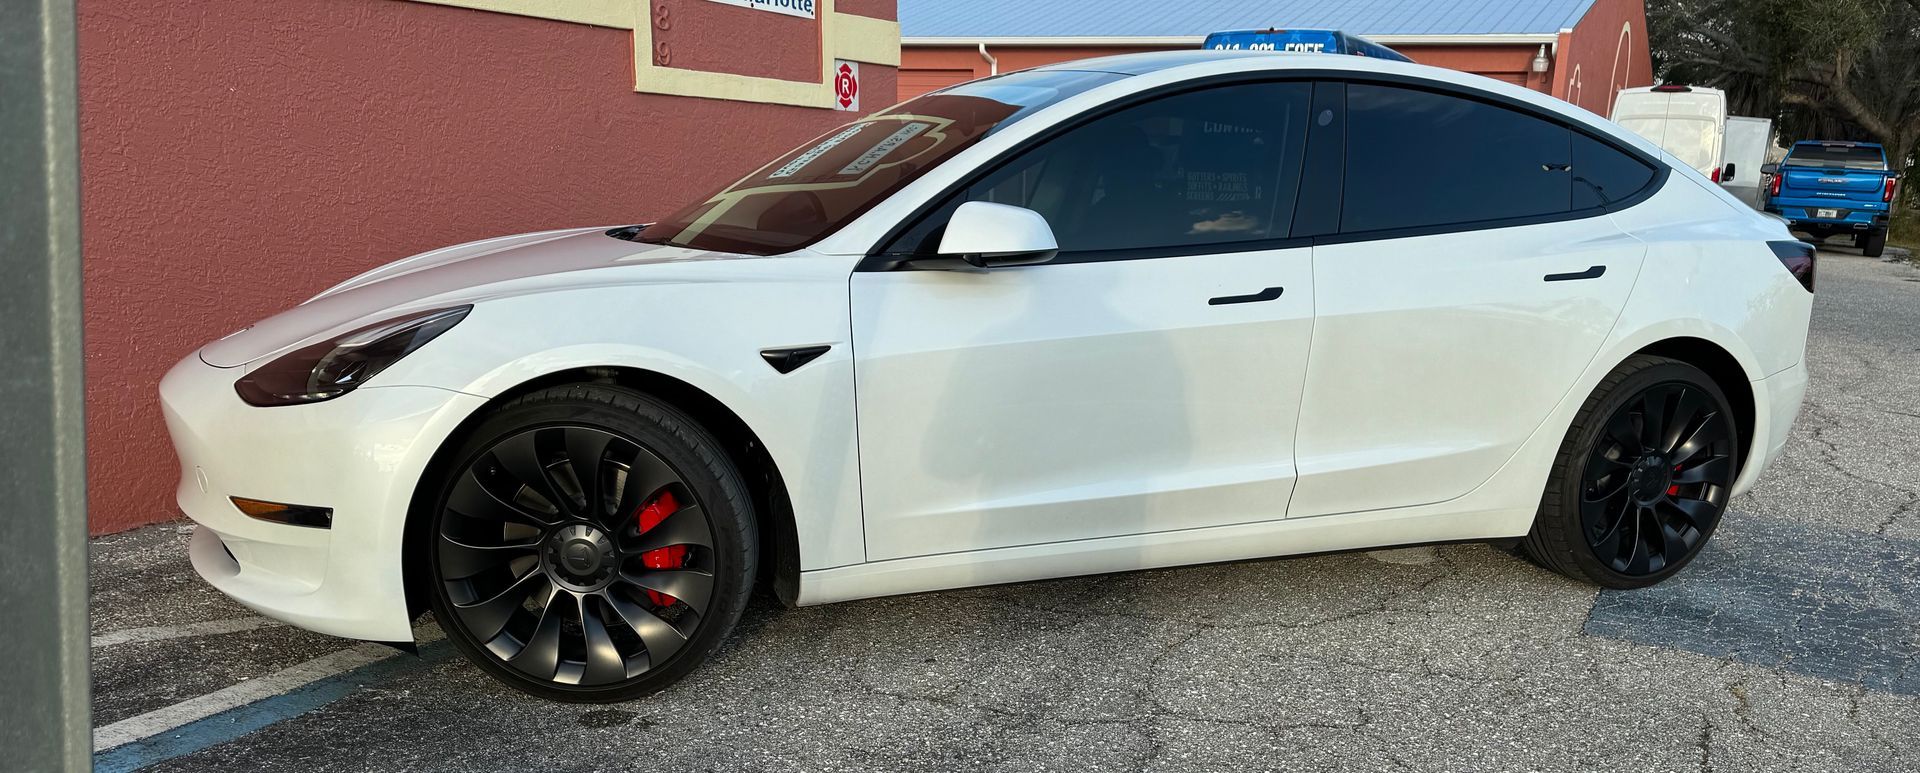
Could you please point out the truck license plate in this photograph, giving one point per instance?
(1828, 214)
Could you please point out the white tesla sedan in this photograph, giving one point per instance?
(1131, 312)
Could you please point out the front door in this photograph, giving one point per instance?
(1146, 380)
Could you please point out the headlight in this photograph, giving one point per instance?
(332, 368)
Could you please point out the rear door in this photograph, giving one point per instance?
(1468, 278)
(1746, 151)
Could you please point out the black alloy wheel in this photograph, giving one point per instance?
(592, 546)
(1642, 479)
(1658, 479)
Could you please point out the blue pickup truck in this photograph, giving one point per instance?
(1826, 188)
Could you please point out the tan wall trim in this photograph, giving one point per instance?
(842, 36)
(866, 39)
(619, 14)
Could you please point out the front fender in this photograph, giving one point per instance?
(707, 332)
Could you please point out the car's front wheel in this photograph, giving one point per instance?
(590, 544)
(1641, 479)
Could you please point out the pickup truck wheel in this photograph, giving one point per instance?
(1872, 243)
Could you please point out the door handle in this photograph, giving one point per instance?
(1592, 272)
(1269, 294)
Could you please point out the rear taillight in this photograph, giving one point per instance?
(1775, 190)
(1716, 174)
(1798, 257)
(1886, 193)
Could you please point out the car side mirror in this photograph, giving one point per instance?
(1731, 168)
(1769, 168)
(985, 234)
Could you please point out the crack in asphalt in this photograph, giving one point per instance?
(1820, 423)
(1706, 746)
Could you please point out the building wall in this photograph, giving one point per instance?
(1606, 52)
(238, 157)
(1608, 46)
(925, 68)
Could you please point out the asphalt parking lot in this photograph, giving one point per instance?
(1793, 643)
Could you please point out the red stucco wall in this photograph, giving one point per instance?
(239, 156)
(1606, 52)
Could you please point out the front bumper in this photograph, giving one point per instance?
(361, 455)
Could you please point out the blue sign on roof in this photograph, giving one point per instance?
(1300, 41)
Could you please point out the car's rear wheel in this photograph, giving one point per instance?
(1641, 479)
(590, 544)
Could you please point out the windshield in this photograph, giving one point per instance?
(813, 190)
(1847, 156)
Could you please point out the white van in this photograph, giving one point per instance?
(1743, 156)
(1688, 121)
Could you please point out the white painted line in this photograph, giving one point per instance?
(290, 678)
(164, 632)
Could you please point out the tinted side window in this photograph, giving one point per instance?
(1204, 167)
(1604, 175)
(1419, 158)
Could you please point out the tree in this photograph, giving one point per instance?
(1822, 69)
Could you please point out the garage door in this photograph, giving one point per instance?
(915, 82)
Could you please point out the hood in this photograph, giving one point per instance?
(443, 277)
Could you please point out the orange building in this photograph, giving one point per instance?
(1583, 51)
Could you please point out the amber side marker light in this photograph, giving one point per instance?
(291, 515)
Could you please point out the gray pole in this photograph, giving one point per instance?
(43, 509)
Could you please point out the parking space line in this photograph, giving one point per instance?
(280, 682)
(164, 632)
(240, 720)
(167, 718)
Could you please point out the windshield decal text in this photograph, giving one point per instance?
(881, 149)
(800, 162)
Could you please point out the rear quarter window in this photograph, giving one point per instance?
(1603, 174)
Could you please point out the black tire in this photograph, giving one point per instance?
(1873, 243)
(1654, 449)
(522, 512)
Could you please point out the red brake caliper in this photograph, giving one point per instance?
(669, 557)
(1674, 490)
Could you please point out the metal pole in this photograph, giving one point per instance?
(43, 512)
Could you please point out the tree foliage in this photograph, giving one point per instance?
(1821, 69)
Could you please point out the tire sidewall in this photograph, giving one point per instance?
(1588, 432)
(693, 454)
